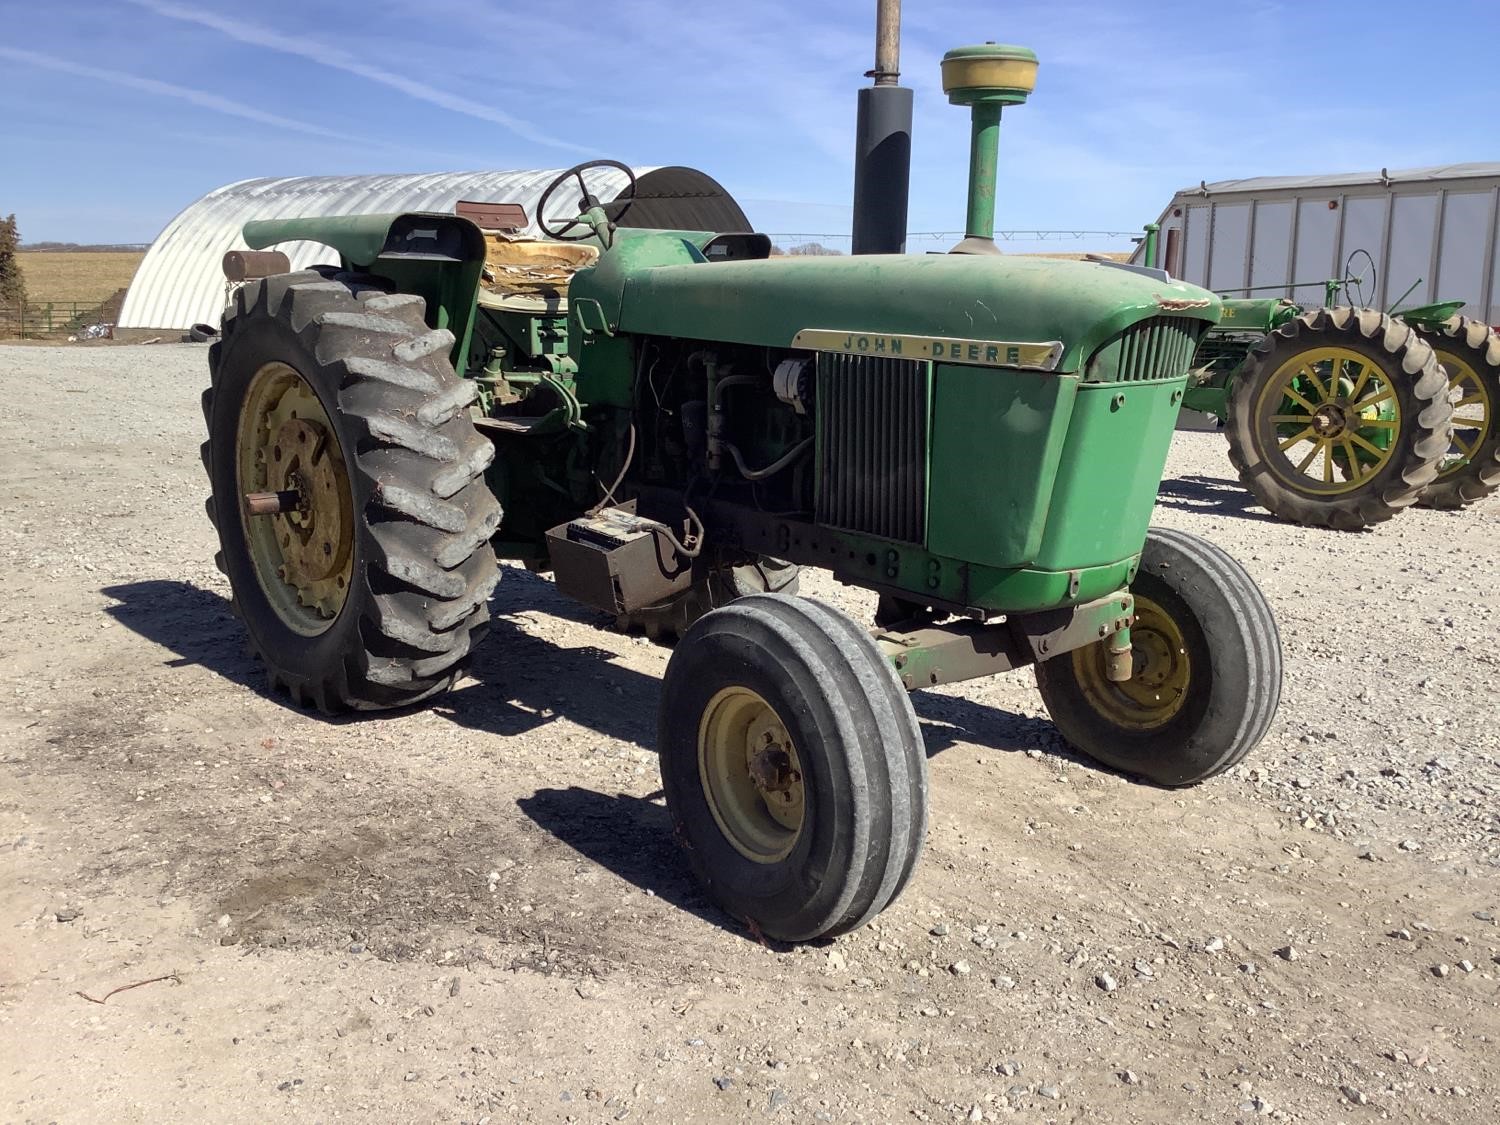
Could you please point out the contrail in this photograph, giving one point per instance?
(200, 98)
(338, 59)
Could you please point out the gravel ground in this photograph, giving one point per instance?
(475, 911)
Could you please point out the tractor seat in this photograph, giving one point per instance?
(531, 275)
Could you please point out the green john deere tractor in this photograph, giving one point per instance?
(670, 426)
(1341, 416)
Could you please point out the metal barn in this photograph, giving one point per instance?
(1428, 230)
(180, 281)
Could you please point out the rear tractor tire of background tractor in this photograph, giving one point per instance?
(793, 766)
(1469, 351)
(367, 585)
(1339, 418)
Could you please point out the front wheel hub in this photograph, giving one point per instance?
(1160, 672)
(751, 775)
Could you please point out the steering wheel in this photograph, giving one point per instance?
(585, 203)
(1355, 285)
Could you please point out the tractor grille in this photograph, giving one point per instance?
(872, 445)
(1159, 348)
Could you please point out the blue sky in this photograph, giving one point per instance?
(115, 115)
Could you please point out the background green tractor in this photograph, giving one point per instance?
(1341, 416)
(1469, 352)
(668, 422)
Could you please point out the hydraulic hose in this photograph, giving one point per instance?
(774, 467)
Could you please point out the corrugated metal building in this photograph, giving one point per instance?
(1435, 228)
(180, 281)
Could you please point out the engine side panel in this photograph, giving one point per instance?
(996, 444)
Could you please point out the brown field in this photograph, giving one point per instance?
(1113, 256)
(84, 276)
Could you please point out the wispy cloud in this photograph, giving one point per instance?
(338, 59)
(200, 98)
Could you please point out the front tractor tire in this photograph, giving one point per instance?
(1206, 670)
(793, 766)
(369, 587)
(1339, 418)
(1469, 352)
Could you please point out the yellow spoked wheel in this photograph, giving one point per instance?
(751, 775)
(1469, 352)
(304, 555)
(1161, 672)
(1473, 412)
(1334, 414)
(1338, 418)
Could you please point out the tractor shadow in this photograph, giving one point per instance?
(948, 721)
(1216, 496)
(527, 678)
(632, 838)
(195, 624)
(522, 681)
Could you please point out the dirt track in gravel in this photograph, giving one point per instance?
(476, 911)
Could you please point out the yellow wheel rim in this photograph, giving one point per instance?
(751, 775)
(1161, 672)
(1333, 420)
(1473, 412)
(303, 559)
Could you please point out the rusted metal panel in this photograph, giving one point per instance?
(492, 216)
(244, 265)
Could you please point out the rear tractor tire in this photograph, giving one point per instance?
(1469, 352)
(1339, 419)
(793, 766)
(1206, 677)
(369, 587)
(671, 619)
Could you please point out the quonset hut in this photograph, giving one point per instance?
(180, 281)
(1432, 228)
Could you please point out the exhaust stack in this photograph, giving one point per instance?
(986, 78)
(882, 144)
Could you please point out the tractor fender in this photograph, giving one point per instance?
(437, 256)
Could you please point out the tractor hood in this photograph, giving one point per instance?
(1044, 313)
